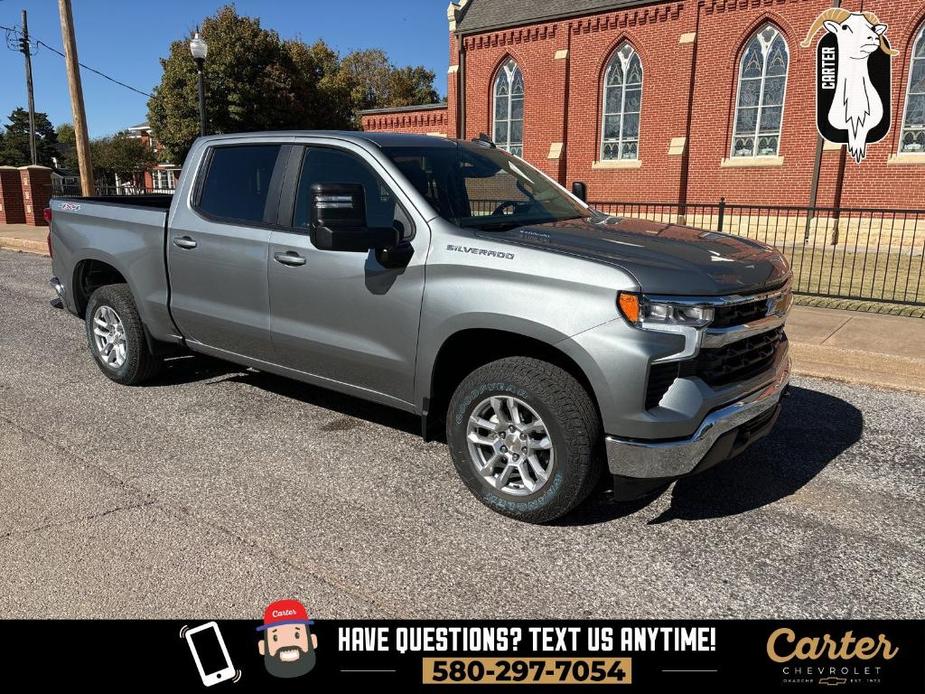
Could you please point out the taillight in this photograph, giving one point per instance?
(47, 214)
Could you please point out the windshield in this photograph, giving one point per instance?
(475, 185)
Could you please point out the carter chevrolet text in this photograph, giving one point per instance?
(449, 279)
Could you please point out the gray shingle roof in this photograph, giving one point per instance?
(480, 15)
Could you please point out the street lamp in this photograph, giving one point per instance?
(200, 49)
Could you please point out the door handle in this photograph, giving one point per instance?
(290, 258)
(184, 242)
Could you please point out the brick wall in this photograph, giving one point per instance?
(534, 48)
(724, 27)
(655, 33)
(423, 121)
(36, 192)
(563, 64)
(11, 203)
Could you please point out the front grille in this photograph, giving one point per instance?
(737, 361)
(661, 376)
(738, 314)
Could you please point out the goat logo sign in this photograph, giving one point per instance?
(853, 79)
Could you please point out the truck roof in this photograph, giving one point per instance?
(381, 139)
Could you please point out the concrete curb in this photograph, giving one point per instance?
(29, 246)
(904, 310)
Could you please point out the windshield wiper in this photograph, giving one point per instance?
(503, 224)
(498, 225)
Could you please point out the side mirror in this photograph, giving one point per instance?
(339, 220)
(580, 190)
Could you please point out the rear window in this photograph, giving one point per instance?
(237, 181)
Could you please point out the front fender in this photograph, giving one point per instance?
(523, 291)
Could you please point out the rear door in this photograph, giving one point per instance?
(343, 316)
(217, 247)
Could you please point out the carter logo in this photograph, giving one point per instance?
(480, 251)
(853, 78)
(784, 646)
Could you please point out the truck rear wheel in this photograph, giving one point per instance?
(525, 438)
(116, 336)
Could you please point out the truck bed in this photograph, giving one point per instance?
(124, 232)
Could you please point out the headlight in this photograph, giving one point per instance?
(662, 315)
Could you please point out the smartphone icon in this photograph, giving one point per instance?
(209, 652)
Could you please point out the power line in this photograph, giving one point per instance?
(13, 30)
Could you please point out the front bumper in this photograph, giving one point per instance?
(724, 433)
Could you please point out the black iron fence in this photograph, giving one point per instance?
(846, 253)
(60, 187)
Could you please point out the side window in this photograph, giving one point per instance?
(327, 165)
(237, 182)
(912, 136)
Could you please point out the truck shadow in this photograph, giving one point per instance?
(814, 428)
(191, 368)
(195, 368)
(350, 408)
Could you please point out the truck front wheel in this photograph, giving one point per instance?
(116, 336)
(525, 438)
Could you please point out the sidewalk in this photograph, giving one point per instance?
(850, 346)
(858, 347)
(23, 237)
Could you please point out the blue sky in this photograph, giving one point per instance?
(126, 40)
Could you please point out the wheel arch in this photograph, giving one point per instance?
(90, 274)
(466, 350)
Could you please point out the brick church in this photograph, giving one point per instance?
(679, 101)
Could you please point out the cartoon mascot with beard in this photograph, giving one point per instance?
(288, 646)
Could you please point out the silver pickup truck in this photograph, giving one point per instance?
(452, 280)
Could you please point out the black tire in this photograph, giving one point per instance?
(140, 365)
(571, 421)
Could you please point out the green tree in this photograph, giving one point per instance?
(67, 147)
(120, 155)
(257, 81)
(248, 84)
(373, 82)
(323, 100)
(14, 146)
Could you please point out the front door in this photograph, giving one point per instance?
(343, 316)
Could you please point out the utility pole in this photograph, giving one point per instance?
(26, 50)
(77, 97)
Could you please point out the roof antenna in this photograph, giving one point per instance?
(483, 139)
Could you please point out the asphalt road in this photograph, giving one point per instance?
(217, 490)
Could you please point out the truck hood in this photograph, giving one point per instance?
(663, 258)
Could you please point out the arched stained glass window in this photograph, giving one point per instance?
(760, 100)
(509, 109)
(912, 138)
(622, 104)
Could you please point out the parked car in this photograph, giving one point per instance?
(452, 280)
